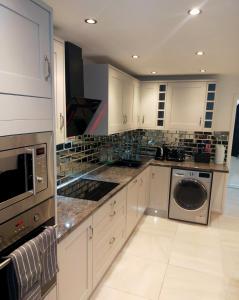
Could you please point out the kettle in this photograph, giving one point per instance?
(159, 153)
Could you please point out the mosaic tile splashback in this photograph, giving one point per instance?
(83, 154)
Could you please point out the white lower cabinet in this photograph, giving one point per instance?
(109, 223)
(159, 189)
(52, 294)
(218, 192)
(136, 200)
(75, 264)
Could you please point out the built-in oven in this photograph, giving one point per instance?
(19, 230)
(26, 172)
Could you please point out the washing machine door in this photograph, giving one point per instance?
(190, 194)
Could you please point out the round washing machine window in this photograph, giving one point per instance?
(190, 194)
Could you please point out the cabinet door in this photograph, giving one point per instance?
(59, 86)
(218, 193)
(116, 98)
(149, 99)
(128, 102)
(143, 197)
(159, 189)
(136, 105)
(75, 264)
(52, 295)
(132, 205)
(25, 49)
(186, 105)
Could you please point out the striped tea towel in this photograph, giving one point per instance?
(27, 268)
(47, 241)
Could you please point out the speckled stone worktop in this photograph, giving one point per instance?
(71, 212)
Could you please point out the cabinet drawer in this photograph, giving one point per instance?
(110, 211)
(105, 250)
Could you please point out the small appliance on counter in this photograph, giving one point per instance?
(160, 153)
(170, 154)
(202, 157)
(220, 154)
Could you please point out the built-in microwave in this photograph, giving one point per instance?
(26, 172)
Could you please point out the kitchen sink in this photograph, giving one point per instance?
(87, 189)
(127, 163)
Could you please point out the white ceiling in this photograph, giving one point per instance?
(159, 31)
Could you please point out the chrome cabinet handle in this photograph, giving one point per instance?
(62, 121)
(112, 241)
(143, 120)
(200, 122)
(113, 214)
(126, 119)
(48, 68)
(5, 263)
(90, 232)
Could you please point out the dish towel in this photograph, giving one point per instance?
(47, 242)
(27, 271)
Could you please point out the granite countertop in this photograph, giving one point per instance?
(71, 212)
(192, 165)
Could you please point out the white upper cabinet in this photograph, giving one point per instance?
(25, 64)
(118, 93)
(136, 105)
(186, 105)
(59, 87)
(149, 99)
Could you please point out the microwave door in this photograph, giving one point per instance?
(17, 180)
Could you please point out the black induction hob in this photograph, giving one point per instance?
(87, 189)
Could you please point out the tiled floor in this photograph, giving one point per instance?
(168, 260)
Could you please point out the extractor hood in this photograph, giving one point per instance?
(80, 111)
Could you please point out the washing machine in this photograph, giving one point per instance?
(190, 196)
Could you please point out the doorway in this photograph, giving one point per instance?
(233, 180)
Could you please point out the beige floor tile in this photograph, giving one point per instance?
(198, 235)
(185, 284)
(232, 290)
(137, 276)
(150, 246)
(197, 257)
(107, 293)
(225, 222)
(163, 227)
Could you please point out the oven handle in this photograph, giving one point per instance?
(32, 151)
(5, 263)
(8, 260)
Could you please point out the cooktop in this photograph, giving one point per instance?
(87, 189)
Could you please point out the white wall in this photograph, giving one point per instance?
(227, 94)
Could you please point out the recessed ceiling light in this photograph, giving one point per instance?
(203, 71)
(194, 11)
(135, 56)
(90, 21)
(153, 72)
(199, 53)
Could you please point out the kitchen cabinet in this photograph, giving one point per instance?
(52, 294)
(132, 206)
(143, 195)
(109, 223)
(159, 190)
(75, 263)
(218, 192)
(117, 91)
(136, 105)
(25, 67)
(185, 105)
(149, 102)
(59, 87)
(137, 200)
